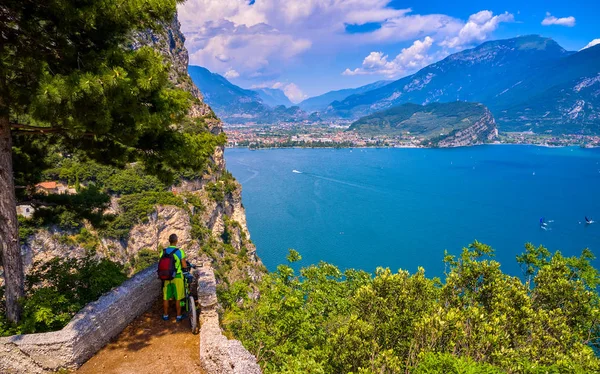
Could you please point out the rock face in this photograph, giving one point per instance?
(452, 124)
(482, 131)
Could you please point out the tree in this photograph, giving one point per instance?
(68, 71)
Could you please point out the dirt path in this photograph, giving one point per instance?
(148, 345)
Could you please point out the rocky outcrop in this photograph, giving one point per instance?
(218, 355)
(87, 332)
(482, 131)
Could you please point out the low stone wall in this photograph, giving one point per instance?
(91, 329)
(218, 355)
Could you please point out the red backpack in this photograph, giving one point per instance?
(166, 265)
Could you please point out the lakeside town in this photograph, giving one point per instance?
(334, 135)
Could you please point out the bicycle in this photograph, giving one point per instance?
(189, 302)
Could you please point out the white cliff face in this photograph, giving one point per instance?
(482, 131)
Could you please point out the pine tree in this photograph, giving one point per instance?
(67, 71)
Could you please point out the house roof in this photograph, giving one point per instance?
(47, 185)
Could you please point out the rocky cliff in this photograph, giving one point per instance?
(482, 131)
(212, 230)
(452, 124)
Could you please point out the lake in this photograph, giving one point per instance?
(401, 208)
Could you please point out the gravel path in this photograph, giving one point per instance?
(149, 345)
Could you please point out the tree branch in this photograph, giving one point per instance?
(36, 130)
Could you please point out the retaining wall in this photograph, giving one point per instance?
(90, 329)
(218, 355)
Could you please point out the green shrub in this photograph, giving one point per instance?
(58, 289)
(144, 259)
(136, 208)
(476, 320)
(132, 180)
(446, 363)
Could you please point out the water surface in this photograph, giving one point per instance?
(401, 208)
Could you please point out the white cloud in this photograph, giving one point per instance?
(591, 44)
(408, 60)
(565, 21)
(260, 39)
(294, 93)
(477, 29)
(230, 74)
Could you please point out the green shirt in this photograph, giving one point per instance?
(178, 254)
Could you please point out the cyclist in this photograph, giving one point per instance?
(174, 289)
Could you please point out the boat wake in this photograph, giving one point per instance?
(296, 171)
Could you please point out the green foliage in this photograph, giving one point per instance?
(68, 211)
(293, 256)
(132, 180)
(144, 259)
(27, 227)
(446, 363)
(136, 208)
(87, 240)
(56, 290)
(477, 320)
(224, 187)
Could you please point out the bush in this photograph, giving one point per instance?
(136, 209)
(144, 259)
(132, 180)
(477, 320)
(58, 289)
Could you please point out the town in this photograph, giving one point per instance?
(334, 135)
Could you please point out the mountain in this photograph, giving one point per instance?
(438, 124)
(320, 103)
(234, 104)
(522, 80)
(563, 98)
(273, 97)
(226, 99)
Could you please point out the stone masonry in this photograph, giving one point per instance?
(90, 329)
(218, 355)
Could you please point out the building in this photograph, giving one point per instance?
(25, 211)
(52, 187)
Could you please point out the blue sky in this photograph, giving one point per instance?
(309, 47)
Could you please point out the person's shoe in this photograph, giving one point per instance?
(179, 318)
(165, 317)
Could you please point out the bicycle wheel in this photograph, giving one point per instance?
(193, 316)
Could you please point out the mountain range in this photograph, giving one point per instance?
(321, 102)
(234, 104)
(529, 83)
(273, 97)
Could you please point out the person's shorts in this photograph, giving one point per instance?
(173, 289)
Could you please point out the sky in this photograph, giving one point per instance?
(309, 47)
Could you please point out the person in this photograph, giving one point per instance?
(173, 289)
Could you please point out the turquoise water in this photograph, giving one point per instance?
(401, 208)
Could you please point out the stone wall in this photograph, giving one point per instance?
(218, 355)
(90, 329)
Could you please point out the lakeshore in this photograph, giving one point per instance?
(294, 135)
